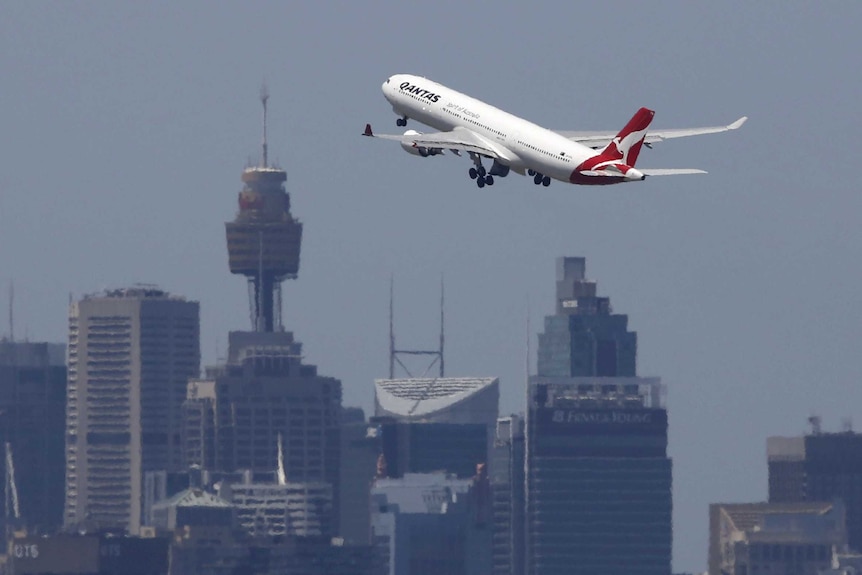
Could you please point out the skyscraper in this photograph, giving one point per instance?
(32, 422)
(598, 475)
(131, 354)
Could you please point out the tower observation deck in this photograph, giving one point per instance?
(264, 240)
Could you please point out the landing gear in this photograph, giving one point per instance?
(401, 121)
(531, 172)
(485, 177)
(540, 179)
(479, 173)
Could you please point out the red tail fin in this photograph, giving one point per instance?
(627, 145)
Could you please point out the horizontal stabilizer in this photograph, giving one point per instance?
(671, 171)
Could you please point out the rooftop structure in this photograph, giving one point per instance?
(449, 399)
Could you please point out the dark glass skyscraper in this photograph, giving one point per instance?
(598, 475)
(32, 424)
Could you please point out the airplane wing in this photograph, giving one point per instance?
(459, 139)
(598, 140)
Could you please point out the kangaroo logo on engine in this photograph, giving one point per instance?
(419, 91)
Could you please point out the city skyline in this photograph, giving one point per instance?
(128, 128)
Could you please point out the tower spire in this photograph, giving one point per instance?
(264, 96)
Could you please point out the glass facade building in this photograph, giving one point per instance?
(598, 480)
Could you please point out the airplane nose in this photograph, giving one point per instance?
(634, 175)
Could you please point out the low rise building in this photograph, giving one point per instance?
(775, 538)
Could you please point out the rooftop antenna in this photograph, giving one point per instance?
(442, 324)
(527, 358)
(282, 478)
(814, 421)
(394, 352)
(264, 96)
(391, 327)
(11, 311)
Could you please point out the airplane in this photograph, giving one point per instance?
(466, 124)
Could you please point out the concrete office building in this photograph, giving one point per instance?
(775, 538)
(32, 422)
(598, 485)
(131, 354)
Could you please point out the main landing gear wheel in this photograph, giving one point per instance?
(537, 178)
(480, 182)
(531, 172)
(546, 181)
(489, 180)
(473, 173)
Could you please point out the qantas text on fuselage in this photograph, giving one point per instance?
(465, 124)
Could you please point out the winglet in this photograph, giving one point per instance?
(737, 123)
(368, 131)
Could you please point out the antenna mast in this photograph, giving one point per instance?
(437, 354)
(11, 311)
(391, 327)
(264, 96)
(442, 317)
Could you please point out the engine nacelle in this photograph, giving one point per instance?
(407, 143)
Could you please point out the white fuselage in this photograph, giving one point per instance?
(522, 144)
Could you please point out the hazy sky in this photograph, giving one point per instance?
(124, 128)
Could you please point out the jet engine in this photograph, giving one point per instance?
(411, 148)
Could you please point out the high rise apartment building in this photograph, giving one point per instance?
(131, 354)
(598, 480)
(32, 423)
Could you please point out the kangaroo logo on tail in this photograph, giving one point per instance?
(627, 145)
